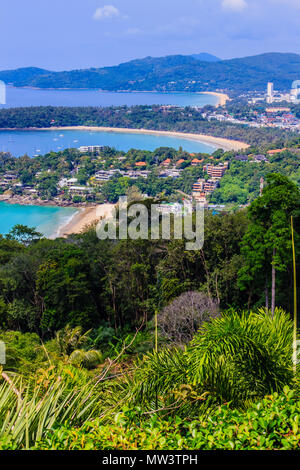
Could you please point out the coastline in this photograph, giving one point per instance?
(29, 201)
(85, 217)
(77, 222)
(220, 142)
(223, 97)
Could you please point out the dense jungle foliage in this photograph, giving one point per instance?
(86, 367)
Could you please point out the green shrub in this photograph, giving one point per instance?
(23, 351)
(242, 356)
(271, 424)
(237, 358)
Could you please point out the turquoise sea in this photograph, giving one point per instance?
(40, 142)
(46, 219)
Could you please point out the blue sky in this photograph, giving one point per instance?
(67, 34)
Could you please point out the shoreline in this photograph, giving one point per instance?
(85, 217)
(219, 142)
(223, 97)
(27, 201)
(77, 222)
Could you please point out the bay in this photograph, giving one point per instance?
(38, 142)
(21, 97)
(46, 219)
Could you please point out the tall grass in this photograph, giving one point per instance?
(52, 399)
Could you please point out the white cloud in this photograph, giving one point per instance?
(107, 11)
(235, 5)
(133, 31)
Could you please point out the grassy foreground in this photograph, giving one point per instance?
(231, 387)
(271, 424)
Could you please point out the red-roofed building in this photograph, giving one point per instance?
(196, 161)
(166, 162)
(140, 164)
(273, 152)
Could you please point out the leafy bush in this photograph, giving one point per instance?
(23, 351)
(236, 358)
(243, 356)
(272, 423)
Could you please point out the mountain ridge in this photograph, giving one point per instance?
(170, 73)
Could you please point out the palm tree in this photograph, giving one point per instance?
(70, 342)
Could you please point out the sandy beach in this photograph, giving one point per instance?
(85, 217)
(219, 142)
(223, 98)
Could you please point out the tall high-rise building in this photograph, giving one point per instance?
(270, 92)
(295, 92)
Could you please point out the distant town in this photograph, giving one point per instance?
(99, 174)
(278, 111)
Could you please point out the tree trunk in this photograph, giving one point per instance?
(267, 294)
(273, 283)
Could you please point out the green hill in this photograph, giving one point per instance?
(171, 73)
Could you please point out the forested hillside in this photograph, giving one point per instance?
(141, 117)
(171, 73)
(89, 368)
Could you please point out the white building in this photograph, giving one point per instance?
(270, 92)
(90, 148)
(66, 183)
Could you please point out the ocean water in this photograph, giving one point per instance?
(16, 97)
(46, 219)
(40, 142)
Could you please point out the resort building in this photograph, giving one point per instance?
(211, 184)
(139, 164)
(102, 176)
(80, 190)
(90, 148)
(170, 174)
(202, 188)
(167, 162)
(216, 171)
(67, 183)
(241, 158)
(196, 161)
(274, 152)
(259, 158)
